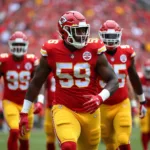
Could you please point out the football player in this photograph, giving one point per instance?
(116, 121)
(75, 62)
(145, 122)
(17, 69)
(48, 127)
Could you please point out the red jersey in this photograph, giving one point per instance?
(146, 88)
(74, 72)
(120, 62)
(17, 75)
(50, 90)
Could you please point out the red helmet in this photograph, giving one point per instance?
(73, 29)
(146, 69)
(110, 33)
(18, 44)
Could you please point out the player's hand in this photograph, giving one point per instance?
(135, 111)
(143, 110)
(23, 124)
(38, 107)
(93, 103)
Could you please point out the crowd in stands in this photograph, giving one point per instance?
(38, 20)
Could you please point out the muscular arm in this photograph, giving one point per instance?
(135, 81)
(107, 74)
(134, 78)
(40, 76)
(131, 92)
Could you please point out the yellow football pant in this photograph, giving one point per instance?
(116, 124)
(48, 126)
(145, 122)
(81, 128)
(12, 116)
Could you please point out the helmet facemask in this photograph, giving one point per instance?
(111, 38)
(18, 47)
(77, 35)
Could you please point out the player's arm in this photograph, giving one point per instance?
(41, 74)
(107, 74)
(135, 81)
(132, 97)
(131, 92)
(38, 106)
(134, 78)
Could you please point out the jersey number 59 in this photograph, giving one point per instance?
(70, 75)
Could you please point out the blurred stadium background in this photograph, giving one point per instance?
(38, 20)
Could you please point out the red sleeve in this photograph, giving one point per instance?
(3, 57)
(33, 59)
(131, 51)
(48, 46)
(44, 49)
(97, 44)
(101, 47)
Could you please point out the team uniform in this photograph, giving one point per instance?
(75, 76)
(145, 122)
(50, 93)
(17, 75)
(116, 119)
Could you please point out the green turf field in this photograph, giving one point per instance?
(38, 140)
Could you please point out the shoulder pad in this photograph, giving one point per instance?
(97, 44)
(128, 49)
(125, 46)
(33, 58)
(48, 45)
(3, 57)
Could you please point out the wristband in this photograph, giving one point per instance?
(40, 98)
(104, 94)
(141, 98)
(26, 106)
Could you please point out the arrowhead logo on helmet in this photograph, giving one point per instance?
(62, 20)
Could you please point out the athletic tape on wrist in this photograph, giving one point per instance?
(141, 97)
(26, 106)
(104, 94)
(40, 98)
